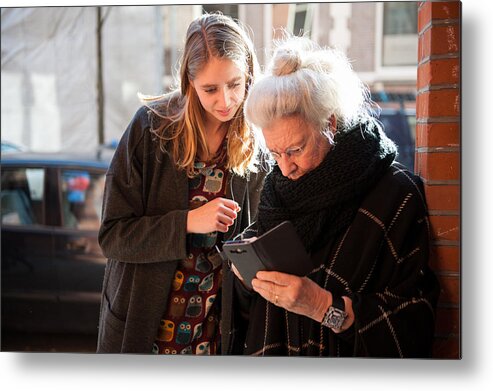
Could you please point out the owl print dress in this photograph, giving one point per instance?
(190, 324)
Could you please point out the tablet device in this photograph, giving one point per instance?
(279, 249)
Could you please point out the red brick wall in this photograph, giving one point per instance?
(438, 157)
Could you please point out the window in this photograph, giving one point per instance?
(226, 9)
(82, 196)
(300, 19)
(400, 33)
(22, 196)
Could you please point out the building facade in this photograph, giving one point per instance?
(380, 38)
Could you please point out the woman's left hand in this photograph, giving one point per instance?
(296, 294)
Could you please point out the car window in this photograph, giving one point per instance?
(400, 127)
(82, 198)
(22, 196)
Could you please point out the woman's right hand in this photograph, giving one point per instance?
(216, 215)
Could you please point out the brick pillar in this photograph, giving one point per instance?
(438, 156)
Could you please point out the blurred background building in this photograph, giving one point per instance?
(70, 75)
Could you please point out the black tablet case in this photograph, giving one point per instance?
(279, 249)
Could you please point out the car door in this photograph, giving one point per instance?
(29, 280)
(79, 261)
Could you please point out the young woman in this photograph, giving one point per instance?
(183, 179)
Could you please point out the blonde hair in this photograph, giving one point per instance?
(304, 79)
(210, 35)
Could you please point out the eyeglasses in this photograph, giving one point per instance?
(290, 152)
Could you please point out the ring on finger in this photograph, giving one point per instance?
(276, 299)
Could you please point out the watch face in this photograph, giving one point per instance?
(334, 318)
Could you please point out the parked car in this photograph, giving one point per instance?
(400, 125)
(52, 265)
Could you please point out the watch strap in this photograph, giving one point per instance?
(338, 302)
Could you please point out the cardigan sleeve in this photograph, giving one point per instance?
(127, 234)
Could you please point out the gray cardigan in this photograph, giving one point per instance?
(143, 235)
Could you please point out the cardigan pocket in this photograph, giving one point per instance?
(111, 331)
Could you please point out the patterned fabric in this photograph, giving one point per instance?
(379, 260)
(190, 324)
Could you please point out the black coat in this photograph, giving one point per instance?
(381, 262)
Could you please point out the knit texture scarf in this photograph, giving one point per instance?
(325, 200)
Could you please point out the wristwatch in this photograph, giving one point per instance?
(335, 315)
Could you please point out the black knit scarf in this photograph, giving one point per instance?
(324, 201)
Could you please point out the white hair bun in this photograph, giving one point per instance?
(286, 61)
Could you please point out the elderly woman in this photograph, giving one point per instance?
(361, 216)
